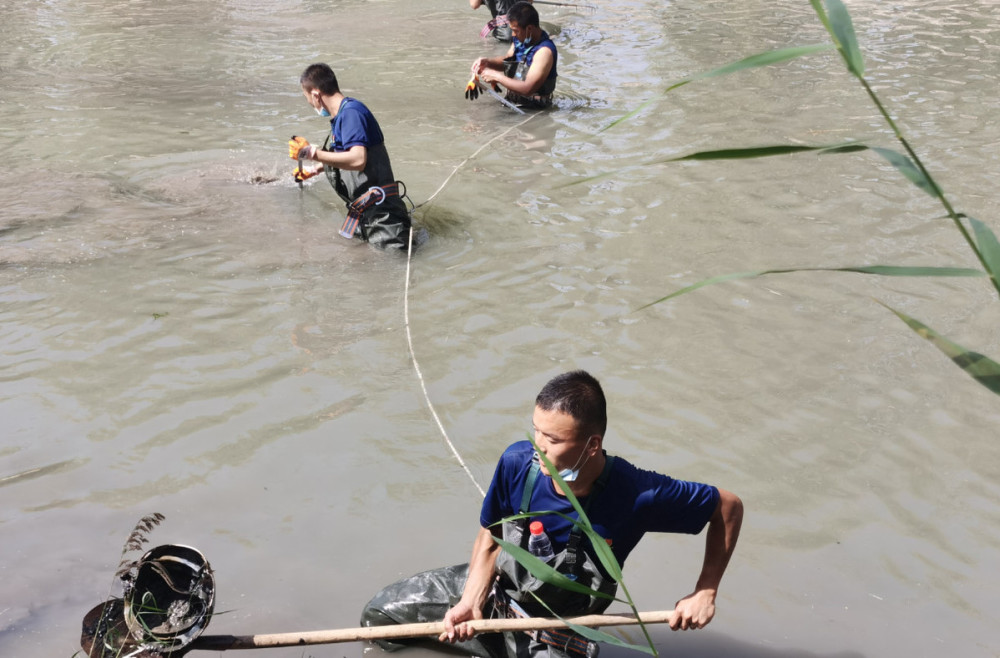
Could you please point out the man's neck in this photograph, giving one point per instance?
(332, 103)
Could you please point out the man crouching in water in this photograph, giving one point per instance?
(528, 70)
(356, 163)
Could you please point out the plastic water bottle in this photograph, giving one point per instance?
(538, 542)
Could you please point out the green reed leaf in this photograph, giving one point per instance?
(753, 61)
(881, 270)
(600, 544)
(988, 245)
(838, 24)
(745, 153)
(906, 167)
(843, 30)
(600, 636)
(981, 368)
(546, 573)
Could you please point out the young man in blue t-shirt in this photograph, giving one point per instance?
(622, 502)
(356, 162)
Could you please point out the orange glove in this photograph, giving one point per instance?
(305, 175)
(299, 148)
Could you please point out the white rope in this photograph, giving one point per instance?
(406, 310)
(478, 151)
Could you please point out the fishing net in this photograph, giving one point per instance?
(169, 596)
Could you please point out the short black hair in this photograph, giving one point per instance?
(322, 77)
(578, 394)
(523, 13)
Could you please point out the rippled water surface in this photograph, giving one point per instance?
(184, 332)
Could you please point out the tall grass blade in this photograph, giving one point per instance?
(881, 270)
(746, 153)
(981, 368)
(604, 552)
(753, 61)
(545, 573)
(906, 167)
(988, 245)
(729, 154)
(843, 31)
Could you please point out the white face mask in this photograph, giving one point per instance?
(571, 474)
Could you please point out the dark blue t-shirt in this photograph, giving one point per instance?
(633, 502)
(353, 125)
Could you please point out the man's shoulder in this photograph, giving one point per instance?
(353, 105)
(518, 452)
(626, 474)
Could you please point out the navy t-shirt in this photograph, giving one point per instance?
(353, 125)
(633, 502)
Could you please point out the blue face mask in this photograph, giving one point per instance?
(323, 112)
(571, 474)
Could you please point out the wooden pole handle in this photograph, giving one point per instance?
(428, 629)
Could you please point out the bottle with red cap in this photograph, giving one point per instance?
(538, 542)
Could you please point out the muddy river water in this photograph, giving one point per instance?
(183, 331)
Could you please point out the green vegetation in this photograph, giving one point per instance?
(977, 235)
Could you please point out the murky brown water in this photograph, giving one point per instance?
(177, 338)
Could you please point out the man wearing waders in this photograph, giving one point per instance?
(622, 502)
(356, 163)
(528, 70)
(497, 27)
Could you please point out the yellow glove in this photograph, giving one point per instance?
(305, 175)
(299, 148)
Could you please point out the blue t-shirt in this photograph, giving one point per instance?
(353, 125)
(633, 502)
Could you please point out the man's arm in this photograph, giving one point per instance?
(353, 159)
(483, 64)
(541, 64)
(697, 609)
(482, 568)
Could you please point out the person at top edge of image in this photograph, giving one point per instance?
(497, 27)
(356, 163)
(529, 69)
(622, 501)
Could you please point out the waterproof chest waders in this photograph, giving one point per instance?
(378, 214)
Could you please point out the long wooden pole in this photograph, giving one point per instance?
(425, 630)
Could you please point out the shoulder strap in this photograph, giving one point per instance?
(529, 487)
